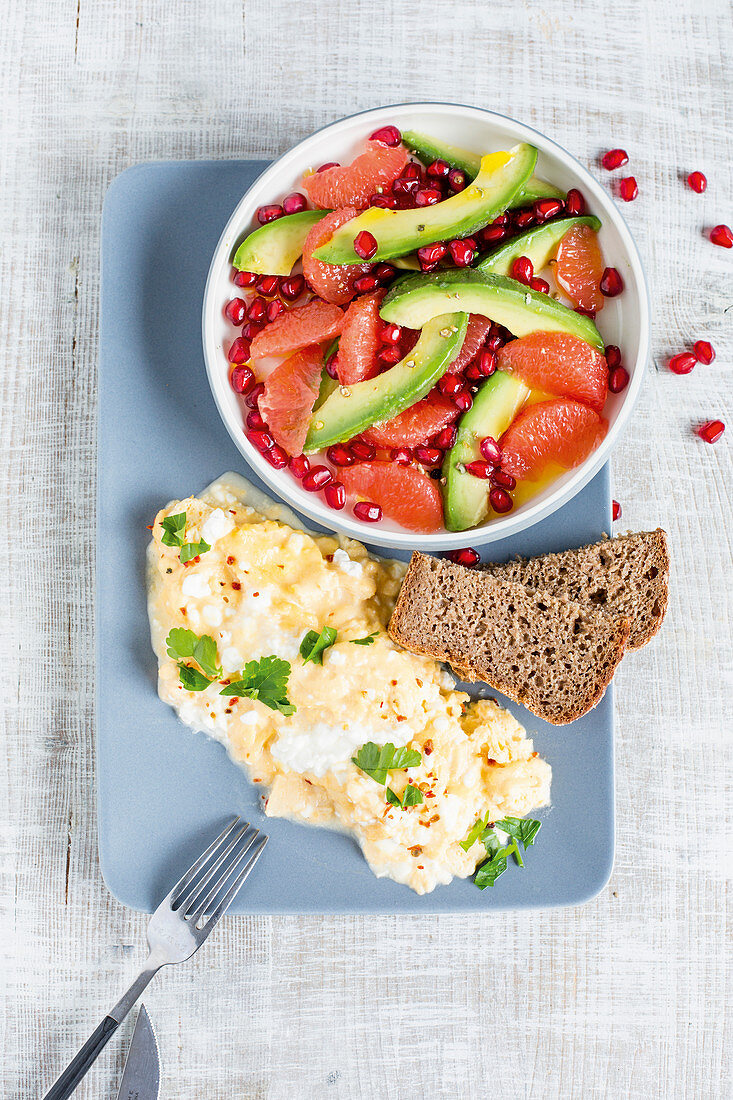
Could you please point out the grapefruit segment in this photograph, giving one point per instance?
(579, 267)
(560, 431)
(331, 282)
(353, 184)
(404, 493)
(359, 343)
(290, 393)
(415, 425)
(476, 333)
(558, 364)
(297, 328)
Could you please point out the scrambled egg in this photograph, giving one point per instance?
(258, 590)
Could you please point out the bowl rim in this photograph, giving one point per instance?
(511, 523)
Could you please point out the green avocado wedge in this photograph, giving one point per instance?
(273, 248)
(400, 231)
(414, 299)
(428, 149)
(348, 411)
(538, 245)
(466, 498)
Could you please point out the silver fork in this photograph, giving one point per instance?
(177, 929)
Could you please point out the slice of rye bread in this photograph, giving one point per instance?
(626, 576)
(554, 655)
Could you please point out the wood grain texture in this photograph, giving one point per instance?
(625, 997)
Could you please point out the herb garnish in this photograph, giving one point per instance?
(174, 528)
(522, 831)
(182, 644)
(411, 796)
(314, 645)
(369, 640)
(378, 760)
(266, 680)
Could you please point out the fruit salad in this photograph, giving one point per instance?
(414, 333)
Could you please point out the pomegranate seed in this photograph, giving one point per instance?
(486, 362)
(412, 172)
(493, 234)
(445, 438)
(574, 203)
(500, 500)
(277, 456)
(269, 213)
(268, 284)
(292, 288)
(722, 236)
(241, 379)
(384, 272)
(257, 309)
(368, 512)
(523, 219)
(431, 254)
(495, 341)
(614, 158)
(544, 209)
(586, 312)
(711, 430)
(704, 351)
(473, 374)
(439, 169)
(365, 245)
(618, 379)
(274, 309)
(390, 355)
(293, 204)
(616, 510)
(401, 455)
(611, 283)
(490, 449)
(697, 182)
(255, 394)
(390, 334)
(450, 384)
(245, 278)
(499, 477)
(479, 468)
(261, 439)
(388, 135)
(365, 283)
(236, 311)
(540, 285)
(428, 196)
(299, 466)
(317, 478)
(327, 165)
(502, 219)
(613, 356)
(463, 400)
(428, 456)
(627, 189)
(239, 351)
(406, 186)
(466, 556)
(332, 367)
(335, 495)
(462, 253)
(523, 269)
(255, 421)
(340, 455)
(362, 450)
(386, 202)
(250, 330)
(682, 364)
(457, 179)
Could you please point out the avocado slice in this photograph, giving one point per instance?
(273, 248)
(414, 299)
(351, 410)
(427, 150)
(497, 402)
(401, 231)
(537, 244)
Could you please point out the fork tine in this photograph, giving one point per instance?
(219, 871)
(235, 887)
(199, 864)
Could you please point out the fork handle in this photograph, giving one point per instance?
(81, 1062)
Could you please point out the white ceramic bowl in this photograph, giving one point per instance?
(625, 320)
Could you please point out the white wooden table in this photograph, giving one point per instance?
(623, 998)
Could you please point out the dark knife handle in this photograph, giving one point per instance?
(81, 1063)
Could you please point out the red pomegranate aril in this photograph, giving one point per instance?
(239, 351)
(367, 511)
(255, 394)
(406, 186)
(586, 312)
(522, 269)
(491, 450)
(269, 213)
(365, 283)
(428, 456)
(445, 438)
(292, 288)
(613, 356)
(335, 495)
(704, 352)
(332, 366)
(250, 330)
(683, 363)
(255, 421)
(480, 469)
(493, 234)
(384, 272)
(236, 311)
(544, 209)
(611, 283)
(431, 254)
(274, 309)
(438, 169)
(365, 452)
(505, 480)
(299, 466)
(503, 220)
(628, 189)
(614, 158)
(428, 196)
(457, 179)
(450, 384)
(388, 135)
(241, 379)
(697, 182)
(540, 285)
(523, 219)
(412, 171)
(462, 253)
(386, 202)
(327, 165)
(390, 334)
(465, 556)
(268, 284)
(618, 379)
(293, 204)
(495, 341)
(390, 355)
(317, 478)
(473, 373)
(500, 500)
(277, 456)
(722, 236)
(574, 203)
(261, 439)
(711, 430)
(340, 455)
(485, 361)
(257, 309)
(245, 278)
(463, 400)
(401, 455)
(365, 245)
(616, 510)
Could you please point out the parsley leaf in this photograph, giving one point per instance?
(474, 833)
(192, 679)
(173, 528)
(489, 871)
(392, 798)
(411, 796)
(266, 680)
(314, 645)
(520, 828)
(378, 760)
(191, 550)
(369, 640)
(182, 644)
(206, 656)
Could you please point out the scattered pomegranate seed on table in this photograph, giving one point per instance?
(711, 430)
(614, 158)
(367, 511)
(335, 495)
(618, 379)
(293, 204)
(236, 311)
(317, 478)
(241, 379)
(628, 189)
(388, 135)
(704, 351)
(697, 182)
(500, 500)
(682, 363)
(239, 351)
(465, 556)
(269, 213)
(616, 510)
(611, 283)
(722, 236)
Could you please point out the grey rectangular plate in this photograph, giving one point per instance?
(164, 791)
